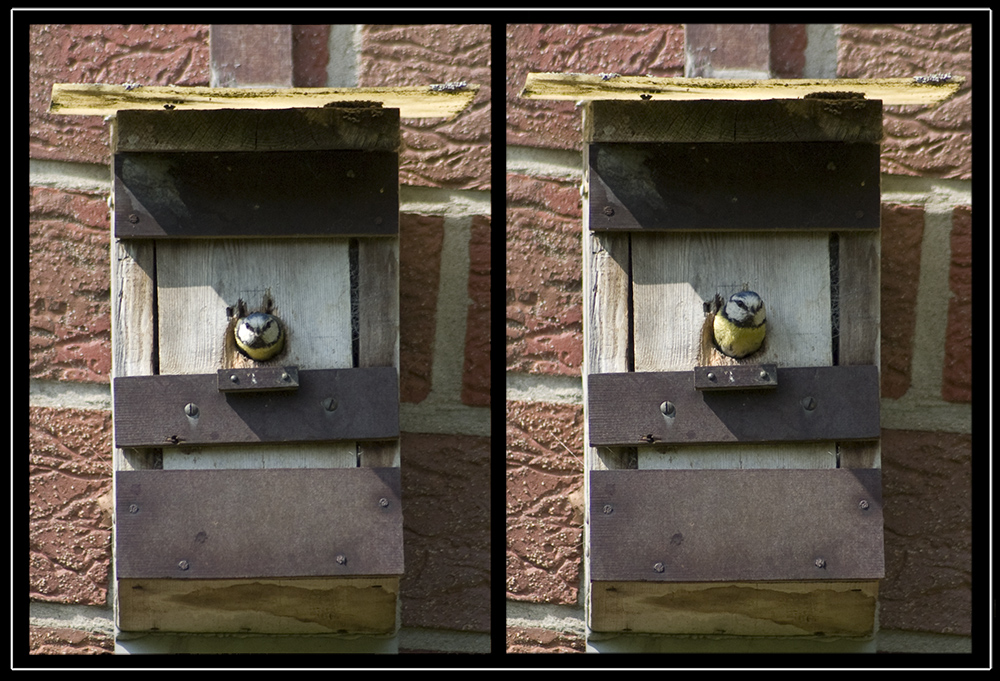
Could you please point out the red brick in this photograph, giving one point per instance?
(476, 374)
(544, 261)
(69, 478)
(534, 640)
(918, 140)
(788, 50)
(148, 54)
(956, 385)
(902, 235)
(720, 47)
(927, 486)
(420, 239)
(446, 525)
(310, 55)
(454, 154)
(65, 641)
(544, 501)
(626, 49)
(69, 332)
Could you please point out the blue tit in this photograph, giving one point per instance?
(740, 325)
(259, 336)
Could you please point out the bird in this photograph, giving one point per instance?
(740, 325)
(259, 336)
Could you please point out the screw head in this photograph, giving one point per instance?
(133, 508)
(658, 567)
(183, 565)
(133, 218)
(341, 559)
(668, 408)
(609, 210)
(808, 403)
(710, 376)
(191, 409)
(820, 563)
(608, 509)
(383, 502)
(863, 504)
(329, 404)
(234, 378)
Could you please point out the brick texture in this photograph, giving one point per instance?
(69, 333)
(476, 374)
(626, 49)
(956, 385)
(446, 525)
(926, 487)
(918, 140)
(544, 304)
(902, 235)
(420, 239)
(533, 640)
(69, 518)
(451, 154)
(310, 55)
(544, 502)
(62, 641)
(148, 54)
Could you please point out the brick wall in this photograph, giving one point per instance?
(445, 271)
(926, 310)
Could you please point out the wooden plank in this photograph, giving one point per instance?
(736, 525)
(251, 55)
(233, 524)
(360, 605)
(777, 120)
(307, 286)
(834, 608)
(929, 90)
(378, 327)
(727, 186)
(445, 100)
(626, 409)
(329, 405)
(372, 128)
(289, 194)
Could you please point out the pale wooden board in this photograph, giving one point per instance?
(676, 273)
(277, 606)
(427, 101)
(581, 86)
(309, 283)
(831, 608)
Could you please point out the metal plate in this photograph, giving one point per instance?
(235, 524)
(808, 404)
(735, 525)
(189, 410)
(258, 380)
(737, 377)
(254, 194)
(734, 186)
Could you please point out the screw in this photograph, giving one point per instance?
(183, 565)
(383, 502)
(668, 408)
(133, 218)
(820, 563)
(657, 567)
(710, 376)
(608, 509)
(191, 409)
(285, 376)
(234, 378)
(609, 210)
(329, 404)
(763, 375)
(863, 504)
(132, 508)
(341, 559)
(808, 403)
